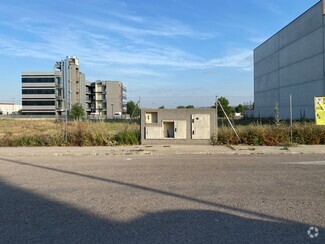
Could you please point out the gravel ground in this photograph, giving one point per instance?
(162, 198)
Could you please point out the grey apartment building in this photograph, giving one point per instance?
(109, 98)
(291, 62)
(55, 92)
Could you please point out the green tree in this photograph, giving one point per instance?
(189, 106)
(181, 107)
(132, 109)
(20, 112)
(225, 104)
(239, 108)
(77, 112)
(162, 107)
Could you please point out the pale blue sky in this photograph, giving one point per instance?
(169, 52)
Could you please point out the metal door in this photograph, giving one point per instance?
(153, 132)
(200, 126)
(180, 129)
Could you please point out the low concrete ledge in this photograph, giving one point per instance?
(160, 150)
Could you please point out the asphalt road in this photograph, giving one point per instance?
(162, 199)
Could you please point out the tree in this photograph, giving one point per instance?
(77, 112)
(187, 107)
(132, 109)
(225, 104)
(239, 108)
(162, 107)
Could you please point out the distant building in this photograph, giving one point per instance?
(291, 62)
(109, 98)
(71, 87)
(55, 92)
(39, 93)
(9, 108)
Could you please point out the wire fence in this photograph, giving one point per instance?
(195, 101)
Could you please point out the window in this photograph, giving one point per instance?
(38, 91)
(37, 80)
(38, 103)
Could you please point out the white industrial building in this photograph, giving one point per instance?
(291, 62)
(9, 108)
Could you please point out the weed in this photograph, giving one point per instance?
(52, 133)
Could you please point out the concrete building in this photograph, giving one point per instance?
(9, 108)
(71, 87)
(177, 126)
(109, 98)
(291, 62)
(54, 92)
(39, 93)
(89, 98)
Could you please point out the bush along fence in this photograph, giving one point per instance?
(17, 133)
(271, 135)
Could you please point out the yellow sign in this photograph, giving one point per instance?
(320, 110)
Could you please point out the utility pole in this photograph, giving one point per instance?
(291, 132)
(13, 105)
(217, 124)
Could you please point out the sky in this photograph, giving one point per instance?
(167, 52)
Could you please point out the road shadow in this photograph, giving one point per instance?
(27, 217)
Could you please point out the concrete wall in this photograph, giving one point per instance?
(114, 96)
(176, 115)
(291, 62)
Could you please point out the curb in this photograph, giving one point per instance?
(160, 150)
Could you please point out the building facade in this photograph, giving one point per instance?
(292, 63)
(71, 87)
(39, 96)
(109, 98)
(55, 92)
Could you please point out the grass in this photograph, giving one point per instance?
(271, 135)
(52, 133)
(15, 133)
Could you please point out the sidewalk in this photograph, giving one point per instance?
(160, 150)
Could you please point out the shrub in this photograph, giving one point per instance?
(127, 138)
(271, 135)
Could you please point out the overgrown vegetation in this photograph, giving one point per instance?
(14, 133)
(271, 135)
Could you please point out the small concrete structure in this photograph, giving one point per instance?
(177, 126)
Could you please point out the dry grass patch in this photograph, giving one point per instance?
(271, 135)
(52, 133)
